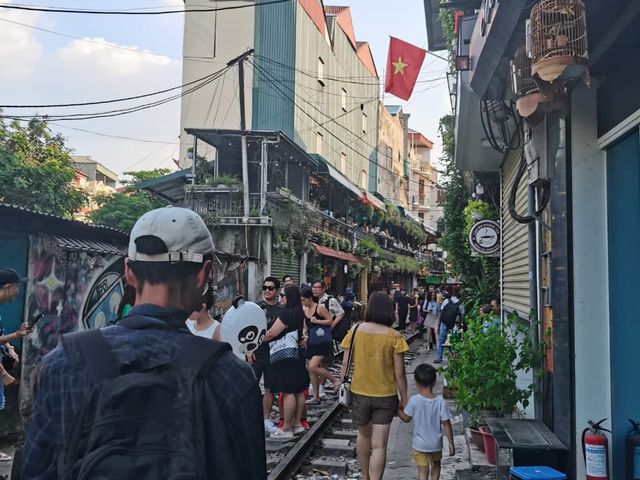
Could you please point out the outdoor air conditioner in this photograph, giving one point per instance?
(559, 40)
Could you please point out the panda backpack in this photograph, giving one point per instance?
(243, 327)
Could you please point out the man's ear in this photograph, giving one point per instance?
(129, 276)
(204, 274)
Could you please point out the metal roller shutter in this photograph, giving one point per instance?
(282, 265)
(515, 241)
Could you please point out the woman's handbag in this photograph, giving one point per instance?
(319, 335)
(344, 393)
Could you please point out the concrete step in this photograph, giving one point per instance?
(351, 435)
(337, 447)
(330, 466)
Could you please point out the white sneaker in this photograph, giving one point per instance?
(311, 390)
(269, 427)
(279, 433)
(322, 394)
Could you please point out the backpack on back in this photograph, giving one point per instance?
(450, 313)
(136, 423)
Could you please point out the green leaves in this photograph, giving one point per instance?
(36, 170)
(484, 365)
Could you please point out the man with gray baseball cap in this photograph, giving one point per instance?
(203, 422)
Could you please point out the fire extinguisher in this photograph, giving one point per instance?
(632, 443)
(595, 448)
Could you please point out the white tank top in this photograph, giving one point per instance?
(207, 332)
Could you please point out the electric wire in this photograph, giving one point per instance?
(114, 100)
(131, 12)
(105, 44)
(275, 84)
(123, 111)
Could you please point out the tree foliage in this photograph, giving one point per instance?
(36, 170)
(479, 274)
(121, 209)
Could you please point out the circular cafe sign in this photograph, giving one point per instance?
(484, 237)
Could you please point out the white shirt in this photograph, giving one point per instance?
(207, 332)
(427, 413)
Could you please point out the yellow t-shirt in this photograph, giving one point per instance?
(372, 359)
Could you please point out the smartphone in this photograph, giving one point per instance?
(34, 320)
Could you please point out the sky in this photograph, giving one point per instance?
(103, 57)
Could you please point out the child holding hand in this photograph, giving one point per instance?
(431, 416)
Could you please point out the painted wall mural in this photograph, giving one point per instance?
(74, 290)
(227, 278)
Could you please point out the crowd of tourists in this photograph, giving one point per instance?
(156, 395)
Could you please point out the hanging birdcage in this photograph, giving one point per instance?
(558, 39)
(523, 82)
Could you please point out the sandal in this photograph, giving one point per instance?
(4, 457)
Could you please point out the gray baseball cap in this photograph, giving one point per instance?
(182, 230)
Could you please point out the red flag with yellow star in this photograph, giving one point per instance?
(403, 66)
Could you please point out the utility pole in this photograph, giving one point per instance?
(243, 131)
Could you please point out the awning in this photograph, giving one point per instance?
(344, 181)
(375, 201)
(329, 252)
(169, 187)
(334, 173)
(82, 245)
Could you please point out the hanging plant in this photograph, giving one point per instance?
(354, 270)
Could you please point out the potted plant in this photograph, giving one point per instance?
(484, 366)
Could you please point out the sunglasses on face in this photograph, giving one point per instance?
(271, 289)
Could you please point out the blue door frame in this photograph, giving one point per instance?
(623, 218)
(14, 254)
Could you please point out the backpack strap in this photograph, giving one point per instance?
(91, 349)
(200, 353)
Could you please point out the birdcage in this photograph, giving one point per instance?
(523, 82)
(558, 39)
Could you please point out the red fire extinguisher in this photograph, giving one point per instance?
(632, 447)
(595, 448)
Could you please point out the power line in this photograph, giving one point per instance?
(123, 111)
(100, 134)
(275, 85)
(130, 12)
(105, 44)
(114, 100)
(314, 74)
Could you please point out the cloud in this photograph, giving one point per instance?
(110, 58)
(19, 49)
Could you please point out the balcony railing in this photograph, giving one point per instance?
(227, 207)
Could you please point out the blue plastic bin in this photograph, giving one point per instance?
(536, 473)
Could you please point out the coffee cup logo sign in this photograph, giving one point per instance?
(484, 237)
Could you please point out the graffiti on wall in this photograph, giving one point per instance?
(74, 290)
(227, 283)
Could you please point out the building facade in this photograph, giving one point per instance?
(570, 183)
(309, 77)
(424, 193)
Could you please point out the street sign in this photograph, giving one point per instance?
(484, 237)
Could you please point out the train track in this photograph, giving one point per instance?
(286, 459)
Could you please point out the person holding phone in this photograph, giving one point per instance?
(9, 290)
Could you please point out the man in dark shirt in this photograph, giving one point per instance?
(403, 309)
(169, 263)
(272, 309)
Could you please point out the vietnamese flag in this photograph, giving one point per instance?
(403, 66)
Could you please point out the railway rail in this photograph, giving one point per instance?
(286, 459)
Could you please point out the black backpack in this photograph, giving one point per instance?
(139, 424)
(450, 313)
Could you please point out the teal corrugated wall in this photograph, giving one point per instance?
(275, 39)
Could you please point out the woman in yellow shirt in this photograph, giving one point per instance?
(378, 377)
